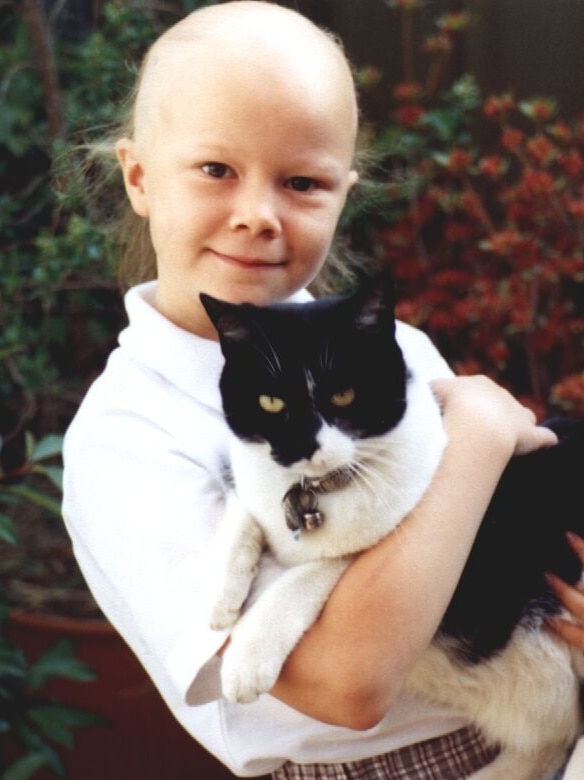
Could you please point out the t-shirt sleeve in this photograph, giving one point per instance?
(420, 354)
(141, 519)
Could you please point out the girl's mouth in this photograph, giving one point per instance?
(248, 261)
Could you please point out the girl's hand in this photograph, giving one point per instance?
(573, 600)
(475, 405)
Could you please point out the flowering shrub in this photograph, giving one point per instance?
(484, 227)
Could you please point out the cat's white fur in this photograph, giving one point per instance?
(526, 699)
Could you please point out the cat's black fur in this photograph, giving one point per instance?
(523, 535)
(321, 338)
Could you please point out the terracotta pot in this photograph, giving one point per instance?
(143, 740)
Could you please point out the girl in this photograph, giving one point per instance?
(238, 158)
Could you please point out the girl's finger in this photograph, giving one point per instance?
(577, 544)
(571, 632)
(570, 597)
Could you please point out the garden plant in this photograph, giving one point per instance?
(478, 207)
(32, 723)
(62, 77)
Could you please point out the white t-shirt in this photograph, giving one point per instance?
(143, 495)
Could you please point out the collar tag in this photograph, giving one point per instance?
(301, 500)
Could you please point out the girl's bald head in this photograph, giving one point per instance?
(263, 45)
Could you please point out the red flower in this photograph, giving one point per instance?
(493, 166)
(454, 22)
(408, 92)
(540, 109)
(576, 208)
(511, 139)
(572, 163)
(535, 183)
(503, 242)
(409, 116)
(450, 277)
(459, 160)
(411, 311)
(442, 319)
(457, 232)
(541, 150)
(497, 106)
(561, 132)
(568, 393)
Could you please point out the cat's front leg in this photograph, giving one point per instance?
(264, 636)
(238, 548)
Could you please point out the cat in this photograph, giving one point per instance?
(335, 439)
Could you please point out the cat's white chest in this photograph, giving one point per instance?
(392, 473)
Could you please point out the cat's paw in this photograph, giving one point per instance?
(223, 615)
(248, 669)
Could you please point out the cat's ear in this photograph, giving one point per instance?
(376, 303)
(229, 319)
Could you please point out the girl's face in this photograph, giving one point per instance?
(242, 175)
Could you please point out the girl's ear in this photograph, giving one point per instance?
(133, 175)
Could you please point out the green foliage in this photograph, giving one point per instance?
(32, 719)
(60, 308)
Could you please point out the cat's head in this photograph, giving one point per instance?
(294, 371)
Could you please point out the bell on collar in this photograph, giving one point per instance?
(301, 508)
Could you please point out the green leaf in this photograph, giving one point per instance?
(30, 444)
(7, 530)
(33, 742)
(53, 473)
(59, 661)
(36, 497)
(47, 447)
(25, 768)
(12, 663)
(56, 721)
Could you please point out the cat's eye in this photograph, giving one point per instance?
(344, 398)
(271, 404)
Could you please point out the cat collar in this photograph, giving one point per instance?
(301, 500)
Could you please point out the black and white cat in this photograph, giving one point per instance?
(335, 441)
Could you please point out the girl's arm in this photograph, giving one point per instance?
(350, 666)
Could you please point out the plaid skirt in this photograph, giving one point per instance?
(450, 757)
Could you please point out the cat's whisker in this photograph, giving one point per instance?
(367, 476)
(326, 358)
(272, 360)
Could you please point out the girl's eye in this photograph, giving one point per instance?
(301, 183)
(216, 170)
(271, 404)
(344, 398)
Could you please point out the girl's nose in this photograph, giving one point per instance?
(256, 210)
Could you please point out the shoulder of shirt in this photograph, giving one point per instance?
(420, 354)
